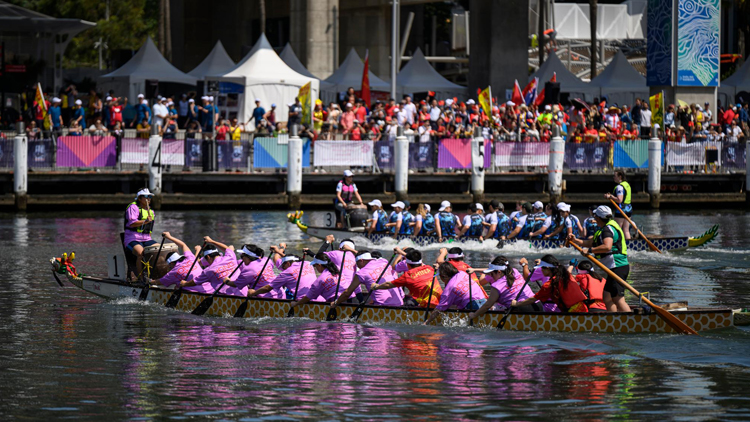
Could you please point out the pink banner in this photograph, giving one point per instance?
(456, 153)
(86, 151)
(521, 154)
(135, 151)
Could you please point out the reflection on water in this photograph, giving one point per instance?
(67, 354)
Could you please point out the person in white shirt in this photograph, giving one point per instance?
(160, 113)
(645, 121)
(392, 130)
(410, 109)
(435, 113)
(424, 132)
(400, 116)
(734, 132)
(707, 114)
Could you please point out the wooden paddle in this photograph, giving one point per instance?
(202, 307)
(650, 245)
(333, 313)
(429, 298)
(294, 296)
(175, 298)
(144, 292)
(243, 306)
(670, 319)
(357, 312)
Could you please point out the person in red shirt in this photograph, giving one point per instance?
(592, 285)
(221, 130)
(419, 279)
(389, 108)
(115, 116)
(729, 115)
(561, 288)
(455, 257)
(360, 111)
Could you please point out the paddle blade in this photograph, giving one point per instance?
(202, 308)
(144, 293)
(355, 315)
(333, 314)
(241, 310)
(501, 324)
(673, 321)
(290, 313)
(174, 299)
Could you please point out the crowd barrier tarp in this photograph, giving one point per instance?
(421, 155)
(521, 154)
(454, 153)
(232, 154)
(173, 152)
(733, 155)
(343, 153)
(6, 153)
(384, 154)
(587, 156)
(193, 153)
(40, 153)
(86, 151)
(679, 154)
(135, 151)
(269, 153)
(632, 154)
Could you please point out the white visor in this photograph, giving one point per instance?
(365, 256)
(413, 262)
(455, 255)
(173, 258)
(143, 192)
(245, 251)
(543, 264)
(207, 252)
(492, 268)
(317, 261)
(289, 258)
(347, 243)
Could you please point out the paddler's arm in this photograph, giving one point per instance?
(349, 249)
(605, 247)
(441, 256)
(515, 232)
(481, 278)
(328, 243)
(525, 265)
(207, 239)
(338, 196)
(265, 289)
(385, 286)
(434, 314)
(302, 301)
(348, 292)
(278, 251)
(417, 228)
(398, 228)
(554, 232)
(185, 283)
(176, 241)
(494, 296)
(438, 230)
(528, 301)
(401, 254)
(491, 230)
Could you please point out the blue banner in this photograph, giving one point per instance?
(232, 154)
(733, 155)
(632, 154)
(40, 153)
(269, 153)
(659, 38)
(6, 153)
(587, 156)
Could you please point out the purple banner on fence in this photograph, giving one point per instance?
(6, 153)
(193, 153)
(421, 155)
(233, 154)
(454, 153)
(40, 153)
(86, 151)
(384, 154)
(733, 155)
(587, 156)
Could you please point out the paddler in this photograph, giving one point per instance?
(377, 224)
(609, 247)
(369, 268)
(460, 291)
(473, 222)
(289, 265)
(345, 247)
(592, 285)
(622, 195)
(447, 224)
(506, 282)
(418, 279)
(139, 223)
(221, 261)
(251, 262)
(325, 286)
(496, 221)
(454, 256)
(523, 227)
(395, 220)
(179, 266)
(424, 222)
(407, 220)
(346, 191)
(561, 288)
(589, 224)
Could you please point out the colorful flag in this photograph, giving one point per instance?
(365, 93)
(554, 77)
(306, 100)
(529, 92)
(39, 99)
(485, 100)
(517, 97)
(657, 109)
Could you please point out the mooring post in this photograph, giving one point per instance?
(477, 166)
(401, 157)
(654, 171)
(294, 173)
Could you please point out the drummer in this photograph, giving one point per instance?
(346, 191)
(622, 196)
(179, 266)
(139, 223)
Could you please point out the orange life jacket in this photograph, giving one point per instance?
(591, 287)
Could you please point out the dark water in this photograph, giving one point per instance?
(65, 354)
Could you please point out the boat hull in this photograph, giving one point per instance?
(226, 306)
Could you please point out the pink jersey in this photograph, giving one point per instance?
(248, 273)
(456, 292)
(220, 269)
(401, 267)
(288, 278)
(179, 273)
(324, 287)
(370, 272)
(133, 215)
(350, 266)
(508, 294)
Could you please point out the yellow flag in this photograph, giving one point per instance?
(657, 109)
(306, 100)
(40, 102)
(485, 100)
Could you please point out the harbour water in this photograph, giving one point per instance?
(67, 354)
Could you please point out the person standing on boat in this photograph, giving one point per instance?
(523, 227)
(473, 222)
(139, 223)
(622, 195)
(609, 247)
(498, 223)
(290, 266)
(418, 279)
(506, 282)
(346, 191)
(179, 266)
(251, 262)
(424, 222)
(326, 285)
(220, 267)
(460, 291)
(377, 224)
(561, 288)
(447, 224)
(395, 220)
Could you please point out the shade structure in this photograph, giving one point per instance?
(146, 64)
(419, 76)
(291, 59)
(738, 82)
(263, 75)
(620, 82)
(568, 81)
(349, 74)
(217, 61)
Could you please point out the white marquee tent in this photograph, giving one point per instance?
(419, 76)
(349, 74)
(217, 61)
(146, 64)
(263, 75)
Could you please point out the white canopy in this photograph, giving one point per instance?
(217, 61)
(349, 74)
(263, 75)
(738, 82)
(419, 76)
(146, 64)
(620, 82)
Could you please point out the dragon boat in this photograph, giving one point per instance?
(115, 286)
(663, 243)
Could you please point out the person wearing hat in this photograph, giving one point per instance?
(417, 278)
(222, 262)
(622, 195)
(318, 116)
(55, 114)
(447, 224)
(536, 221)
(395, 220)
(290, 266)
(496, 221)
(407, 220)
(506, 283)
(473, 222)
(251, 263)
(258, 113)
(138, 225)
(142, 111)
(208, 116)
(552, 225)
(369, 268)
(609, 247)
(160, 113)
(379, 220)
(346, 191)
(561, 288)
(79, 114)
(524, 222)
(179, 265)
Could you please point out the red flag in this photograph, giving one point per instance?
(366, 80)
(539, 99)
(517, 96)
(554, 77)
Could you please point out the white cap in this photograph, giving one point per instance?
(548, 107)
(140, 96)
(257, 100)
(289, 104)
(349, 104)
(191, 100)
(144, 102)
(348, 173)
(367, 256)
(510, 104)
(55, 100)
(205, 97)
(471, 101)
(395, 109)
(174, 257)
(375, 202)
(79, 102)
(656, 126)
(210, 98)
(537, 204)
(106, 99)
(398, 204)
(273, 105)
(427, 207)
(562, 206)
(143, 192)
(602, 211)
(449, 101)
(444, 205)
(348, 243)
(479, 206)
